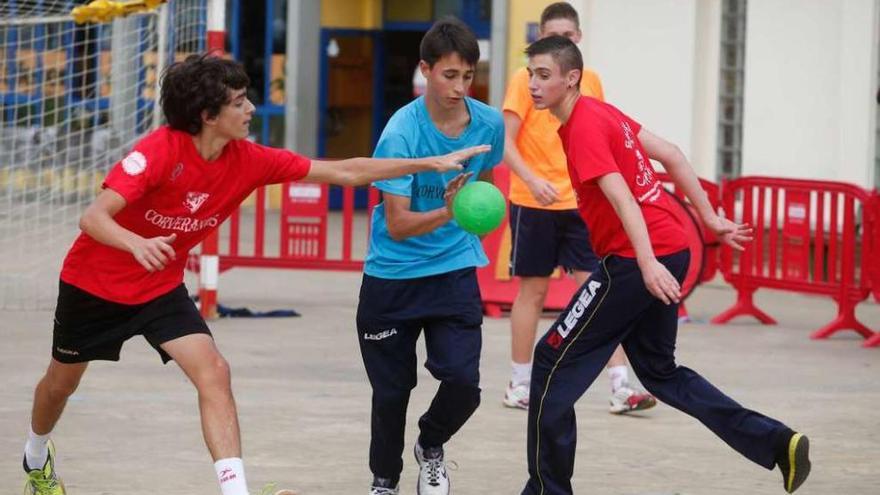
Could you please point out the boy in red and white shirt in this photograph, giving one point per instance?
(633, 298)
(124, 274)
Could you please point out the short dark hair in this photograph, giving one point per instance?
(449, 35)
(560, 10)
(563, 50)
(198, 84)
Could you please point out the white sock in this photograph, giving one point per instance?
(230, 473)
(522, 373)
(36, 450)
(619, 375)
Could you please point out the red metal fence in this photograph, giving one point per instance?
(499, 289)
(303, 232)
(811, 237)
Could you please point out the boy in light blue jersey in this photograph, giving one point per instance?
(420, 271)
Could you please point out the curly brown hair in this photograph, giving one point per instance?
(201, 83)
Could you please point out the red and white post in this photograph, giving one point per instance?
(209, 261)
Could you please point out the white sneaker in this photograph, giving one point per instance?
(433, 479)
(627, 399)
(383, 486)
(517, 396)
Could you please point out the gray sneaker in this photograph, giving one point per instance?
(433, 479)
(384, 486)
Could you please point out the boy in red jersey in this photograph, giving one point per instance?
(124, 274)
(632, 299)
(546, 228)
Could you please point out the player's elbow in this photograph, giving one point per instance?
(339, 173)
(351, 177)
(672, 156)
(396, 234)
(87, 220)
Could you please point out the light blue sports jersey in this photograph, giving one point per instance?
(411, 134)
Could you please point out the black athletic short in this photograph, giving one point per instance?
(89, 328)
(545, 239)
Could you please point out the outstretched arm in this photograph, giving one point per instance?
(360, 171)
(97, 221)
(657, 278)
(678, 167)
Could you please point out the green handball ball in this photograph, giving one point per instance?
(479, 207)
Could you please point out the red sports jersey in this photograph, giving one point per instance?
(170, 189)
(598, 140)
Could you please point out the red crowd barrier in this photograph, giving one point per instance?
(811, 237)
(874, 341)
(303, 227)
(303, 233)
(499, 289)
(703, 245)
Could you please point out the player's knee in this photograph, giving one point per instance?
(533, 295)
(465, 393)
(653, 377)
(391, 398)
(654, 372)
(553, 412)
(215, 375)
(456, 376)
(61, 387)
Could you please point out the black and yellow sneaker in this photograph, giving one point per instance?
(793, 460)
(44, 481)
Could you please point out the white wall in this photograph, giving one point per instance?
(706, 74)
(810, 84)
(652, 61)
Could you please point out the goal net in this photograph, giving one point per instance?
(74, 98)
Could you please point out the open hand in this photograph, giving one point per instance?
(730, 233)
(543, 191)
(452, 161)
(154, 253)
(660, 282)
(452, 188)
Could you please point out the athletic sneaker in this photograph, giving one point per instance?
(627, 399)
(517, 396)
(384, 486)
(43, 481)
(793, 460)
(270, 490)
(433, 479)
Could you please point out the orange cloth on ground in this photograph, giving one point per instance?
(539, 144)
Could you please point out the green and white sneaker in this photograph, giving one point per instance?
(44, 481)
(270, 490)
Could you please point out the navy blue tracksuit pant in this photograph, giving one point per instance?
(614, 307)
(391, 315)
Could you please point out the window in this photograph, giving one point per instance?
(730, 108)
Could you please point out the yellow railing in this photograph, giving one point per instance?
(107, 10)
